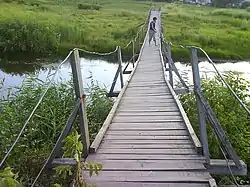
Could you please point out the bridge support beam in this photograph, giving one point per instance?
(201, 111)
(78, 84)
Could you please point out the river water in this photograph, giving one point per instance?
(101, 71)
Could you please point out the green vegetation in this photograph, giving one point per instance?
(48, 26)
(233, 118)
(46, 125)
(73, 148)
(223, 33)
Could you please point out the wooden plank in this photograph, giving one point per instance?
(114, 137)
(146, 110)
(162, 101)
(147, 146)
(169, 106)
(146, 94)
(144, 157)
(146, 165)
(136, 184)
(152, 176)
(159, 113)
(147, 141)
(148, 151)
(149, 133)
(133, 97)
(154, 125)
(147, 104)
(146, 119)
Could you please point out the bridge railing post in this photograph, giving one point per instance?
(119, 53)
(201, 110)
(133, 58)
(139, 45)
(171, 81)
(78, 85)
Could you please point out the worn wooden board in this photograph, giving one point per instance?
(147, 151)
(147, 146)
(149, 133)
(136, 184)
(147, 165)
(148, 141)
(147, 118)
(152, 176)
(117, 137)
(144, 157)
(149, 125)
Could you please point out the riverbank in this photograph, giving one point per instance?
(223, 33)
(49, 27)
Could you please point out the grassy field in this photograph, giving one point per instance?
(47, 26)
(223, 33)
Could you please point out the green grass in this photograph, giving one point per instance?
(223, 33)
(47, 26)
(50, 26)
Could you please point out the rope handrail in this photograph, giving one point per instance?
(34, 109)
(217, 71)
(97, 53)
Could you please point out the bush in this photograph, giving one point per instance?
(89, 6)
(234, 119)
(248, 9)
(46, 125)
(28, 35)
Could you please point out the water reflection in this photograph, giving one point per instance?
(101, 71)
(207, 70)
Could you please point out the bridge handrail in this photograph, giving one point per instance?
(214, 66)
(43, 95)
(221, 77)
(218, 72)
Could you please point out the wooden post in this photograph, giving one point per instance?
(201, 111)
(133, 45)
(78, 84)
(139, 46)
(120, 65)
(171, 81)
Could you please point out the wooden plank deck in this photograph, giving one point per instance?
(149, 142)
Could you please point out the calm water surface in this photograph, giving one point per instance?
(102, 71)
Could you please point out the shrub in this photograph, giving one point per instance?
(47, 123)
(89, 6)
(26, 35)
(234, 119)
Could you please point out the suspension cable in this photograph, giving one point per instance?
(34, 109)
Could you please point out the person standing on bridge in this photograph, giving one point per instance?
(152, 30)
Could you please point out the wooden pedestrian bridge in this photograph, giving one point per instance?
(147, 139)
